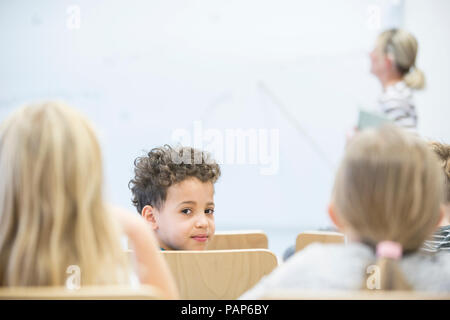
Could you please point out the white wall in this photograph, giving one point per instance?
(429, 21)
(142, 69)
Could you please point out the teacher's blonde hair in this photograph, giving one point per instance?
(402, 46)
(52, 213)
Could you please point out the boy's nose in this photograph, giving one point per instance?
(201, 222)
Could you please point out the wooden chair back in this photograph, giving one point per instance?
(142, 292)
(306, 238)
(218, 274)
(354, 295)
(228, 240)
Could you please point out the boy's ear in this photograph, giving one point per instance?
(148, 213)
(334, 217)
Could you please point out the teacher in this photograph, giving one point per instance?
(393, 62)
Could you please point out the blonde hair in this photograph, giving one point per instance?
(443, 152)
(389, 187)
(52, 213)
(403, 46)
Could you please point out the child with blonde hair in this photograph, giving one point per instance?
(440, 240)
(387, 200)
(52, 210)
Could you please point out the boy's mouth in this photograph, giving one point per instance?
(200, 237)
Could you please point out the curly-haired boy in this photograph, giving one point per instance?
(173, 189)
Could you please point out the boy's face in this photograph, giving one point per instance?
(186, 219)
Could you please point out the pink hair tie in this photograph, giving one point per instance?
(389, 249)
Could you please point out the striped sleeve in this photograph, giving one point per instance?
(397, 105)
(440, 241)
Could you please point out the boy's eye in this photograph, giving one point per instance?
(209, 211)
(186, 211)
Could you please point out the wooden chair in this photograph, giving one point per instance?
(218, 274)
(306, 238)
(354, 295)
(227, 240)
(143, 292)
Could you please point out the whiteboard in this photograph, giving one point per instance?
(141, 70)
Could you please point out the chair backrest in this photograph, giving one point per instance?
(142, 292)
(218, 274)
(227, 240)
(354, 295)
(306, 238)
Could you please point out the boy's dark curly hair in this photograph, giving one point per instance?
(164, 167)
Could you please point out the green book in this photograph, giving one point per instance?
(371, 119)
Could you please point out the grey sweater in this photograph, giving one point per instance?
(343, 267)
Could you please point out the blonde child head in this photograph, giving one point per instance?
(52, 213)
(389, 187)
(443, 152)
